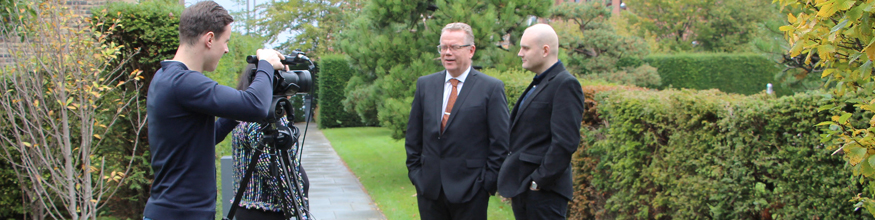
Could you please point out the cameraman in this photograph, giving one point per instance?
(182, 106)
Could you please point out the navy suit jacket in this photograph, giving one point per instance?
(544, 133)
(466, 157)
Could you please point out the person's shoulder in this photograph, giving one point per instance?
(485, 77)
(434, 76)
(566, 76)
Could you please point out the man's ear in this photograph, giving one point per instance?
(473, 49)
(546, 51)
(208, 39)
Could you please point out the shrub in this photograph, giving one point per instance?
(643, 75)
(733, 73)
(689, 154)
(151, 29)
(331, 112)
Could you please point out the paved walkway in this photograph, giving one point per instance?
(335, 193)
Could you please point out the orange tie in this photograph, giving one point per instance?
(450, 102)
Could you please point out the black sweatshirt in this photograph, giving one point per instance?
(182, 106)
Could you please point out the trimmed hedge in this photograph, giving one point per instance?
(515, 83)
(337, 73)
(151, 27)
(733, 73)
(708, 155)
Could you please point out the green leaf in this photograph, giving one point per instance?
(869, 205)
(838, 26)
(855, 13)
(866, 68)
(826, 123)
(866, 170)
(826, 107)
(845, 4)
(844, 118)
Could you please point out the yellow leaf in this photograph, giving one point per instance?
(71, 107)
(26, 144)
(791, 18)
(826, 73)
(826, 10)
(97, 136)
(796, 49)
(36, 103)
(785, 28)
(870, 51)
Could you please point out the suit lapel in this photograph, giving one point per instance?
(438, 100)
(518, 110)
(516, 107)
(469, 84)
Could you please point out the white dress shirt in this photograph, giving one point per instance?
(449, 86)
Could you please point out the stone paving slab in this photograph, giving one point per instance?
(335, 193)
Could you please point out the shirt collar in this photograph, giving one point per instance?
(461, 78)
(537, 79)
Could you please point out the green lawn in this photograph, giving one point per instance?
(379, 162)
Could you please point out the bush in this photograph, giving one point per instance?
(152, 29)
(708, 155)
(643, 75)
(515, 83)
(733, 73)
(331, 112)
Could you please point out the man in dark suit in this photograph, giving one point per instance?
(457, 133)
(545, 131)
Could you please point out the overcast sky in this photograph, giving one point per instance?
(232, 6)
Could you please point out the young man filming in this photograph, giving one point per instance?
(182, 106)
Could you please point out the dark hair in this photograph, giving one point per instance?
(201, 18)
(245, 77)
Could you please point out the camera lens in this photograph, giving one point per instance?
(293, 82)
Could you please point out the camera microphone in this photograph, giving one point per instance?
(288, 59)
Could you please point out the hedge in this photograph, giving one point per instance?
(152, 28)
(689, 154)
(733, 73)
(337, 73)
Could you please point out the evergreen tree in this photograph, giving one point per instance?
(591, 43)
(392, 43)
(700, 25)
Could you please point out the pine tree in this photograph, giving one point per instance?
(393, 43)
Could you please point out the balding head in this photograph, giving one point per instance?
(544, 35)
(539, 48)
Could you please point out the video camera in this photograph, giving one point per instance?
(294, 81)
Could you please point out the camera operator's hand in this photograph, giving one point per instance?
(271, 56)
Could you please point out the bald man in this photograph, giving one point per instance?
(544, 132)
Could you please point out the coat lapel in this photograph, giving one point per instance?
(469, 84)
(437, 100)
(529, 99)
(518, 110)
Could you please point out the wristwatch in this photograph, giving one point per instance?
(534, 186)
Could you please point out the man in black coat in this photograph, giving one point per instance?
(457, 133)
(544, 132)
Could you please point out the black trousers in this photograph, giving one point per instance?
(441, 209)
(537, 205)
(257, 214)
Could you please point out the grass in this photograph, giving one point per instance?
(379, 163)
